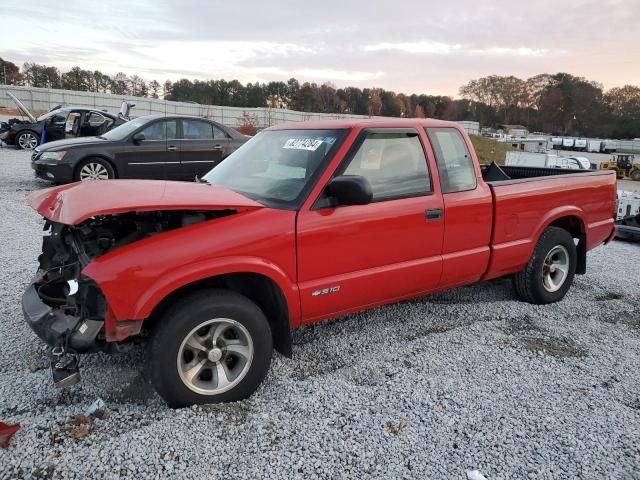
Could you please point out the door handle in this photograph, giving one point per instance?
(433, 214)
(218, 147)
(172, 148)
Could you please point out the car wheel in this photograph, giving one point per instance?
(27, 140)
(213, 346)
(635, 175)
(550, 271)
(94, 169)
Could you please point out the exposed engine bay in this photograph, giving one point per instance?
(65, 308)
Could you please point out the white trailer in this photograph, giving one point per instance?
(530, 159)
(608, 146)
(580, 144)
(594, 146)
(567, 143)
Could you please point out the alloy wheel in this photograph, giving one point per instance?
(215, 356)
(94, 171)
(27, 141)
(555, 268)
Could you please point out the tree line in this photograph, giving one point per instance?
(560, 104)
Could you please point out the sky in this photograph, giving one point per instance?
(410, 46)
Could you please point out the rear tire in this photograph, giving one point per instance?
(635, 175)
(213, 346)
(550, 271)
(94, 169)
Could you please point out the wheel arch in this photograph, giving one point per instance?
(575, 225)
(257, 287)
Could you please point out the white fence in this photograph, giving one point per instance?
(44, 99)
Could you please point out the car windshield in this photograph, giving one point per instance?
(277, 167)
(52, 113)
(126, 129)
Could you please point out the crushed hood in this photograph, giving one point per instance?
(74, 203)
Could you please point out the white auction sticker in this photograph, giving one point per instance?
(311, 144)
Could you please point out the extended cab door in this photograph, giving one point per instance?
(352, 257)
(468, 208)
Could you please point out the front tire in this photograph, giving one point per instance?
(635, 175)
(550, 271)
(27, 140)
(213, 346)
(94, 169)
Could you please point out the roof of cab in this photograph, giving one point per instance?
(365, 123)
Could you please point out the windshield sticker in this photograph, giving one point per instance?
(330, 140)
(310, 144)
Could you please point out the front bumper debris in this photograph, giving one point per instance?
(56, 328)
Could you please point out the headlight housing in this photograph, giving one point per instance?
(52, 155)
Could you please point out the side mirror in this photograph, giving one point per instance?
(350, 190)
(139, 137)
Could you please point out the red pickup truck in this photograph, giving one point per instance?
(306, 221)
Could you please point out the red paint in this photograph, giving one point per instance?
(377, 253)
(6, 432)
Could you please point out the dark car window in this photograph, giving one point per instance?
(197, 130)
(123, 131)
(94, 119)
(219, 134)
(161, 130)
(57, 119)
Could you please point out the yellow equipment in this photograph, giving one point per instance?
(624, 166)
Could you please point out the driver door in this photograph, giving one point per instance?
(354, 256)
(154, 156)
(55, 127)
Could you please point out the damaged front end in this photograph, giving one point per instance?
(67, 309)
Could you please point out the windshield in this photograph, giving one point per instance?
(126, 129)
(52, 113)
(277, 167)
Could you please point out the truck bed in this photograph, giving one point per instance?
(528, 198)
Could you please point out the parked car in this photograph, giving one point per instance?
(60, 123)
(307, 221)
(153, 147)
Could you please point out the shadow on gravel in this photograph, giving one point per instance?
(630, 319)
(610, 296)
(535, 339)
(555, 347)
(137, 390)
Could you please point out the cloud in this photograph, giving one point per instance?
(422, 47)
(437, 48)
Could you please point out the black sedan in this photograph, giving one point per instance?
(153, 146)
(60, 123)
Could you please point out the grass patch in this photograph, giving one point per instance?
(489, 150)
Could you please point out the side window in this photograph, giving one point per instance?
(457, 172)
(393, 163)
(219, 134)
(156, 131)
(162, 130)
(197, 130)
(94, 119)
(172, 129)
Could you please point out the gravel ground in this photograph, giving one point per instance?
(430, 388)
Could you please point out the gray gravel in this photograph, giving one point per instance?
(431, 388)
